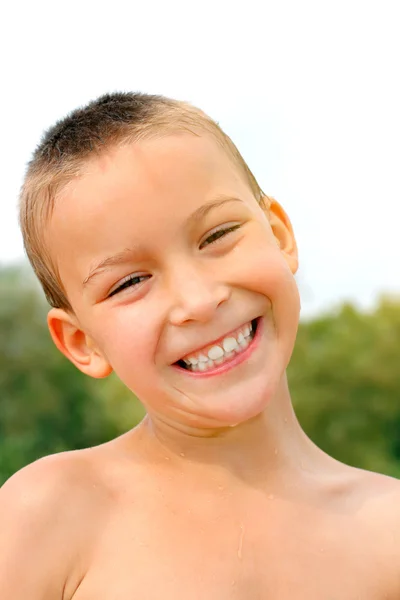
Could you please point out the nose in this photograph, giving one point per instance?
(196, 294)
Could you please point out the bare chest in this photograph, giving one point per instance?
(181, 553)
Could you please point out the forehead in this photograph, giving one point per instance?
(139, 191)
(158, 165)
(156, 168)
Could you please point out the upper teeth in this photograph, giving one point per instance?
(226, 346)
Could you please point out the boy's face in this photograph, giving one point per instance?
(156, 272)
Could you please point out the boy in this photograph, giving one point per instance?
(164, 261)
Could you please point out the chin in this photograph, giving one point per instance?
(230, 407)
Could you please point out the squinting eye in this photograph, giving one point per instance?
(130, 281)
(216, 235)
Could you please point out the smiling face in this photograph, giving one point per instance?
(165, 255)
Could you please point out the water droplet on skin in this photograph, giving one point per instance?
(271, 496)
(276, 451)
(239, 553)
(285, 420)
(182, 454)
(221, 487)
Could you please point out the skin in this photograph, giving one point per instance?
(218, 493)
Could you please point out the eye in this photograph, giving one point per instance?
(129, 281)
(218, 234)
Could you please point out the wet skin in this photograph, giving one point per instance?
(218, 494)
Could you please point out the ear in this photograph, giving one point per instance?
(283, 232)
(76, 345)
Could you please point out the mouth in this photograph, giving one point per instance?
(224, 354)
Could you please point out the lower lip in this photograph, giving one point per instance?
(234, 361)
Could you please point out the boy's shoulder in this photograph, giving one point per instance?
(368, 495)
(59, 486)
(377, 492)
(51, 481)
(374, 503)
(49, 512)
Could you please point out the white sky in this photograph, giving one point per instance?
(309, 91)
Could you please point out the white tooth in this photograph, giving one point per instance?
(246, 330)
(229, 344)
(192, 361)
(210, 364)
(203, 358)
(245, 343)
(201, 366)
(240, 338)
(219, 361)
(230, 354)
(215, 352)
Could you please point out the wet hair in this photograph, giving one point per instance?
(111, 120)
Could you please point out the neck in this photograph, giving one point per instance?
(268, 446)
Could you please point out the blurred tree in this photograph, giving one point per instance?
(345, 382)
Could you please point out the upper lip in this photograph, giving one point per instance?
(215, 341)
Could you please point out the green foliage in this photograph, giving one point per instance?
(344, 377)
(345, 382)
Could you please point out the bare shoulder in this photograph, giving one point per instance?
(371, 498)
(377, 510)
(49, 511)
(52, 483)
(364, 509)
(379, 496)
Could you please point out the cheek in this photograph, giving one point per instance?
(285, 301)
(270, 275)
(129, 342)
(266, 270)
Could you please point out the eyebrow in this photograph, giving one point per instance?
(202, 211)
(127, 253)
(111, 261)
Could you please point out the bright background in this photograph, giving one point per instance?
(309, 92)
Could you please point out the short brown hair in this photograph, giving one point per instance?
(110, 120)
